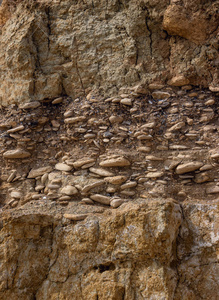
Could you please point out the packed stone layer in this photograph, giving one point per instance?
(101, 151)
(51, 48)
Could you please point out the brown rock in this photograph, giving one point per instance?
(188, 167)
(17, 153)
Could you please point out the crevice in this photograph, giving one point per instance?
(150, 34)
(48, 26)
(74, 42)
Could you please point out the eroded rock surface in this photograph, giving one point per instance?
(53, 48)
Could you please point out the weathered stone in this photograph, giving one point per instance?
(80, 163)
(116, 202)
(69, 190)
(212, 190)
(101, 199)
(154, 174)
(16, 129)
(159, 95)
(116, 179)
(39, 172)
(93, 185)
(74, 120)
(63, 167)
(30, 105)
(178, 81)
(126, 101)
(101, 172)
(74, 217)
(115, 162)
(188, 167)
(128, 185)
(17, 153)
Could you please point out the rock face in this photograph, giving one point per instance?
(153, 250)
(52, 48)
(109, 176)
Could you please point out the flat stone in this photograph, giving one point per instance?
(116, 202)
(206, 167)
(210, 102)
(115, 119)
(178, 147)
(74, 120)
(81, 162)
(16, 129)
(73, 217)
(126, 101)
(101, 199)
(63, 167)
(159, 95)
(115, 162)
(128, 185)
(116, 179)
(177, 126)
(188, 167)
(154, 174)
(101, 172)
(212, 190)
(201, 177)
(17, 153)
(178, 81)
(57, 100)
(93, 185)
(39, 172)
(30, 105)
(16, 195)
(214, 89)
(155, 86)
(144, 149)
(69, 190)
(153, 158)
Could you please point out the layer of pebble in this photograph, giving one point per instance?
(162, 141)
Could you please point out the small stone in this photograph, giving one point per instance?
(17, 153)
(87, 201)
(63, 167)
(177, 126)
(115, 162)
(182, 195)
(16, 129)
(74, 120)
(210, 102)
(80, 163)
(178, 147)
(39, 188)
(126, 101)
(93, 185)
(153, 158)
(159, 95)
(206, 168)
(68, 113)
(214, 89)
(178, 81)
(115, 119)
(30, 105)
(128, 185)
(144, 137)
(201, 177)
(144, 149)
(53, 186)
(57, 100)
(65, 198)
(101, 199)
(188, 167)
(155, 86)
(116, 202)
(212, 190)
(101, 172)
(69, 190)
(128, 193)
(44, 178)
(11, 176)
(116, 179)
(73, 217)
(154, 174)
(39, 172)
(16, 195)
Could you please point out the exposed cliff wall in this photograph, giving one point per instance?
(154, 250)
(109, 177)
(53, 48)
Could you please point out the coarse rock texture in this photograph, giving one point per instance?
(143, 250)
(50, 48)
(109, 176)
